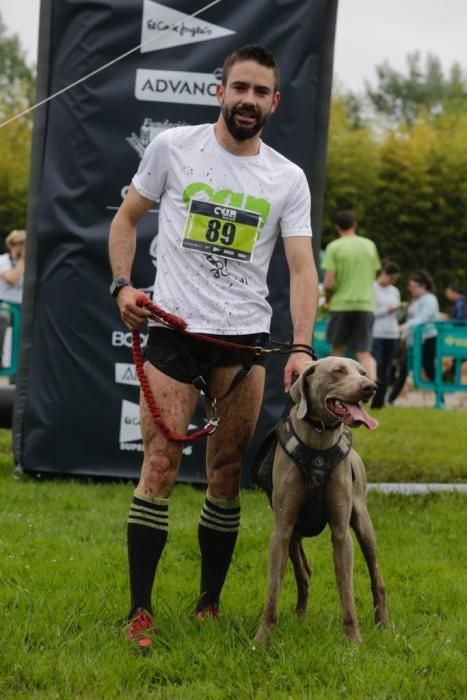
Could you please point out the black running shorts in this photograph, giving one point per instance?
(185, 358)
(350, 329)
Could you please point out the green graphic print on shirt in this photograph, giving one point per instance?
(230, 198)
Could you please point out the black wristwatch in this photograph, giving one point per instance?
(117, 284)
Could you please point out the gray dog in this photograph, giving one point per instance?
(313, 477)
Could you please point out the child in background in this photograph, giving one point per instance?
(385, 326)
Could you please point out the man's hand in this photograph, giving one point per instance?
(294, 367)
(133, 316)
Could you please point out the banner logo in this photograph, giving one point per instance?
(126, 374)
(164, 27)
(148, 130)
(176, 86)
(130, 429)
(120, 339)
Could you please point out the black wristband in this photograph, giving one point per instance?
(308, 349)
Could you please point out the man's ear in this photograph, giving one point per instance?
(275, 101)
(220, 89)
(298, 390)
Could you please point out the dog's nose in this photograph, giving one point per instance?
(368, 387)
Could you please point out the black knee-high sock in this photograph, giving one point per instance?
(217, 534)
(148, 524)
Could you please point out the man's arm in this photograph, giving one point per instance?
(122, 247)
(303, 300)
(328, 283)
(13, 275)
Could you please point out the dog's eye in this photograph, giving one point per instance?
(340, 369)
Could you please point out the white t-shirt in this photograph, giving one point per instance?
(386, 325)
(212, 294)
(9, 292)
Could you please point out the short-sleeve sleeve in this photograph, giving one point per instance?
(296, 215)
(151, 177)
(5, 262)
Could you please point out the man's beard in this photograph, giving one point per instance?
(242, 133)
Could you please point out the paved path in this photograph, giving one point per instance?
(425, 398)
(411, 489)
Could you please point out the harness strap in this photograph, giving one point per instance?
(315, 465)
(201, 384)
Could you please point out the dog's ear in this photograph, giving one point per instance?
(298, 390)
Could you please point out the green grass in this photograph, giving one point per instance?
(63, 595)
(415, 444)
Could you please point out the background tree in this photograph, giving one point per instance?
(17, 84)
(401, 97)
(352, 167)
(405, 177)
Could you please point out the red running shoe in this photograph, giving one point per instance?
(141, 629)
(210, 610)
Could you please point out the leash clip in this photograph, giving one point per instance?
(260, 350)
(213, 423)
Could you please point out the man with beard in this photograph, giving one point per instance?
(224, 197)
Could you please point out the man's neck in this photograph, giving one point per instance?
(249, 147)
(346, 234)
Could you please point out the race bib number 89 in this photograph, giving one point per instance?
(221, 230)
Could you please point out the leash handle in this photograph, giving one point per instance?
(160, 314)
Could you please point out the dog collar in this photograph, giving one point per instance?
(320, 426)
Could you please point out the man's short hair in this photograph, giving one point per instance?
(344, 220)
(390, 267)
(454, 286)
(251, 52)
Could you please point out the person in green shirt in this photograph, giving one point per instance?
(350, 264)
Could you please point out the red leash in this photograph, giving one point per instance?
(173, 322)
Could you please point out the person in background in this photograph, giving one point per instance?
(351, 263)
(459, 313)
(424, 308)
(457, 298)
(11, 277)
(385, 327)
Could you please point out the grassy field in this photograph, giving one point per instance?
(415, 444)
(63, 590)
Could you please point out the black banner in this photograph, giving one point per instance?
(76, 410)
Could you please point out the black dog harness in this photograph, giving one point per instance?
(315, 465)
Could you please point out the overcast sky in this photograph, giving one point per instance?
(368, 32)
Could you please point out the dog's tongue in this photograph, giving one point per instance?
(361, 416)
